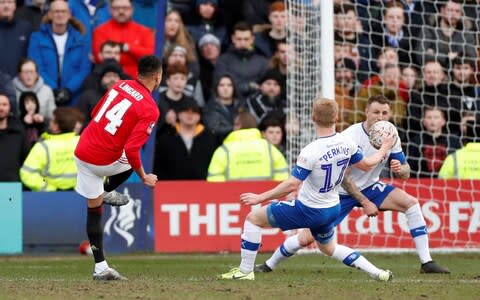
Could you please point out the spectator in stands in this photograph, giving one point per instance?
(6, 86)
(241, 62)
(428, 150)
(177, 34)
(346, 87)
(136, 40)
(267, 100)
(350, 36)
(279, 62)
(388, 85)
(185, 153)
(256, 11)
(417, 14)
(50, 165)
(13, 135)
(33, 122)
(15, 33)
(109, 74)
(91, 13)
(266, 41)
(173, 97)
(273, 131)
(461, 92)
(28, 80)
(465, 162)
(244, 155)
(32, 11)
(393, 33)
(446, 36)
(184, 8)
(60, 51)
(193, 87)
(210, 48)
(387, 55)
(410, 77)
(208, 21)
(109, 54)
(346, 50)
(427, 95)
(220, 112)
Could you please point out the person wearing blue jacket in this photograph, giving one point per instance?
(91, 14)
(60, 49)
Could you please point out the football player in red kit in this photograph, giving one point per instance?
(109, 147)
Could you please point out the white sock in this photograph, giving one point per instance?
(418, 230)
(289, 247)
(354, 259)
(101, 266)
(251, 238)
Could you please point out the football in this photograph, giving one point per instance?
(376, 131)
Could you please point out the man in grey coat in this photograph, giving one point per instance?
(241, 62)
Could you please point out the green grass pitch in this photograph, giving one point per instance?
(313, 276)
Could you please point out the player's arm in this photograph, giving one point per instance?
(399, 165)
(281, 190)
(351, 188)
(368, 163)
(136, 140)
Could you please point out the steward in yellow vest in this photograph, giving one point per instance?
(50, 165)
(245, 155)
(462, 164)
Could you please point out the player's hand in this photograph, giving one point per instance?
(250, 199)
(150, 180)
(387, 140)
(370, 209)
(395, 166)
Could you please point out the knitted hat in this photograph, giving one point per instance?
(111, 65)
(271, 74)
(208, 39)
(180, 49)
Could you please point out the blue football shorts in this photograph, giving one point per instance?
(376, 193)
(288, 215)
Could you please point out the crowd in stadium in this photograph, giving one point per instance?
(224, 82)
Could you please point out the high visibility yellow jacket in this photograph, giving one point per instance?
(462, 164)
(50, 165)
(245, 155)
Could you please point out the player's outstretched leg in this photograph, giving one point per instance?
(95, 236)
(111, 196)
(418, 230)
(354, 259)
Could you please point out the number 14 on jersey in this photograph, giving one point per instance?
(115, 114)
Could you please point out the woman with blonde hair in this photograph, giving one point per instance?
(177, 34)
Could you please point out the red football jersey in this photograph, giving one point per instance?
(122, 120)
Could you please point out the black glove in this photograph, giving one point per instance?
(62, 96)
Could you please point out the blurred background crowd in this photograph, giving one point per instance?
(223, 97)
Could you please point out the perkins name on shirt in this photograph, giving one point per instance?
(131, 91)
(334, 152)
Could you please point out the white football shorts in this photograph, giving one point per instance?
(90, 176)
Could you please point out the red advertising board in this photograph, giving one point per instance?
(196, 216)
(451, 209)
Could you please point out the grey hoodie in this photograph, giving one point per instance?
(44, 95)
